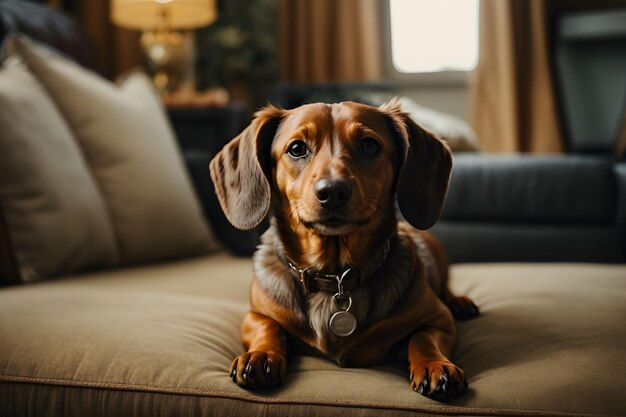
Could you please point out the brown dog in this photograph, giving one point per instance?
(336, 274)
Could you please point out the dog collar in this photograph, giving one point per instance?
(313, 281)
(342, 323)
(346, 280)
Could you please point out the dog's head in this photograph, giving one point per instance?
(332, 168)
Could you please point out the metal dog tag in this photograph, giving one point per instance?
(342, 324)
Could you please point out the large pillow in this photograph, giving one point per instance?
(459, 134)
(52, 216)
(131, 152)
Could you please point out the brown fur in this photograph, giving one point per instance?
(403, 307)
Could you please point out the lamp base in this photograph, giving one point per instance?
(169, 58)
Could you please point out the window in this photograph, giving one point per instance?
(434, 35)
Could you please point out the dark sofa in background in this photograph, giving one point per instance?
(535, 209)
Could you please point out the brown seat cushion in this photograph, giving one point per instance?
(158, 341)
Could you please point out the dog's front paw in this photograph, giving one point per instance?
(439, 380)
(257, 370)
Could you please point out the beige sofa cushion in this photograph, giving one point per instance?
(158, 341)
(54, 215)
(131, 151)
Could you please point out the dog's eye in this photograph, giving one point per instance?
(298, 149)
(370, 147)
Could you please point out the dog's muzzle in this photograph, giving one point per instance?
(333, 193)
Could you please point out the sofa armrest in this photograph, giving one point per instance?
(568, 208)
(535, 189)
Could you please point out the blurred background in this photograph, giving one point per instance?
(492, 63)
(544, 80)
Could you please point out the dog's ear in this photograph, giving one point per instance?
(424, 167)
(241, 171)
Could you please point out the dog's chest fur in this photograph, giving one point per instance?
(319, 310)
(311, 312)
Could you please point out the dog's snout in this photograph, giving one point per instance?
(333, 192)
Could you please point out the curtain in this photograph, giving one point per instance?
(330, 40)
(513, 105)
(117, 50)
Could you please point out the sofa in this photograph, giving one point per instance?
(152, 332)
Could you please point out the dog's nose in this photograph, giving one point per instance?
(333, 192)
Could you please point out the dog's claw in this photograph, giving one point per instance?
(250, 371)
(439, 380)
(423, 386)
(256, 370)
(442, 388)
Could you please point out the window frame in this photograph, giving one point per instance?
(440, 78)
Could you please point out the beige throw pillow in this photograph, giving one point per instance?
(53, 210)
(131, 151)
(459, 134)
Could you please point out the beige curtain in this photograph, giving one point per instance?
(330, 40)
(513, 106)
(117, 50)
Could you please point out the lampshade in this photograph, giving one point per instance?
(174, 14)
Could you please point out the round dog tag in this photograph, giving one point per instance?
(342, 323)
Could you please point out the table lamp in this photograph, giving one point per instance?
(167, 40)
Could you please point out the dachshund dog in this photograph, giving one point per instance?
(336, 274)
